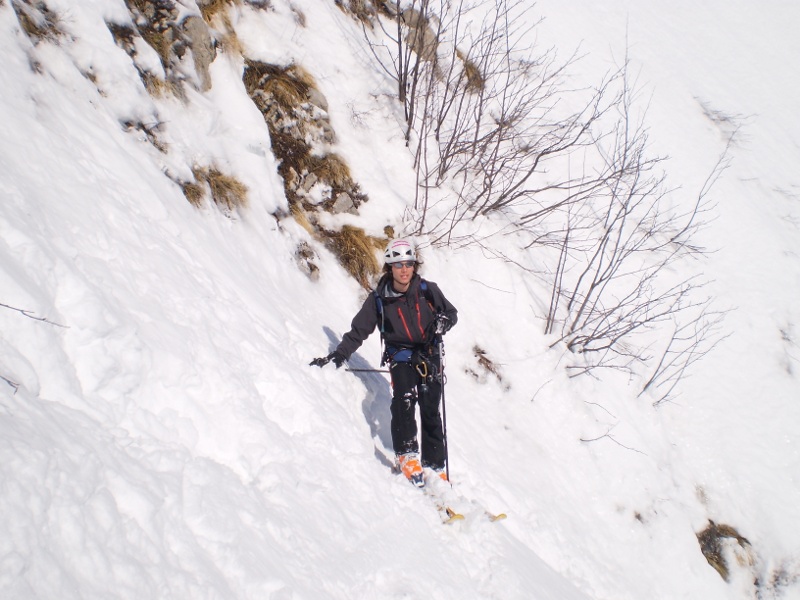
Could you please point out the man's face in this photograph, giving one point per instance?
(402, 272)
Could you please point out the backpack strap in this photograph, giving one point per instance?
(381, 322)
(379, 310)
(427, 293)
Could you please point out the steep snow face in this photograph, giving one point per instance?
(161, 432)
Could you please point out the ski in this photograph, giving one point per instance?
(453, 506)
(447, 501)
(448, 515)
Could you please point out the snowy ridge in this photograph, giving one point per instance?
(161, 433)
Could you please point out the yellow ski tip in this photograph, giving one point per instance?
(452, 516)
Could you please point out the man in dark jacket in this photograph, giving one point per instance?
(411, 313)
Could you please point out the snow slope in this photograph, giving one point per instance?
(161, 433)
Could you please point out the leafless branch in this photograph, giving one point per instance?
(30, 315)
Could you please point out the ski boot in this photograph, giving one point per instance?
(410, 466)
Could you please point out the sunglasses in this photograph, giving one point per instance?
(407, 264)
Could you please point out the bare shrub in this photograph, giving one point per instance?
(575, 182)
(618, 294)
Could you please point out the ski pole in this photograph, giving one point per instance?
(444, 409)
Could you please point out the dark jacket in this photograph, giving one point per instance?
(407, 320)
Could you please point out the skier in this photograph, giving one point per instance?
(411, 312)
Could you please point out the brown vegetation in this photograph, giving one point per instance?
(38, 21)
(295, 114)
(227, 192)
(712, 543)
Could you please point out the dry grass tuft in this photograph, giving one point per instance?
(158, 87)
(301, 217)
(268, 84)
(227, 192)
(356, 253)
(124, 36)
(194, 193)
(475, 79)
(38, 21)
(217, 9)
(363, 10)
(332, 169)
(155, 21)
(211, 8)
(713, 541)
(230, 43)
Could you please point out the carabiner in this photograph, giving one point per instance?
(422, 369)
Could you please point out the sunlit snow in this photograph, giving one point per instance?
(161, 432)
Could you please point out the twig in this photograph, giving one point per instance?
(11, 383)
(609, 436)
(30, 315)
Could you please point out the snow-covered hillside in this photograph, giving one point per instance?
(161, 432)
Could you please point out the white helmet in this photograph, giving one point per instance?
(399, 251)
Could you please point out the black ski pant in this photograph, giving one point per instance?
(408, 390)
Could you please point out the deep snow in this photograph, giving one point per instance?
(164, 436)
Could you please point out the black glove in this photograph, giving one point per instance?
(443, 324)
(335, 356)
